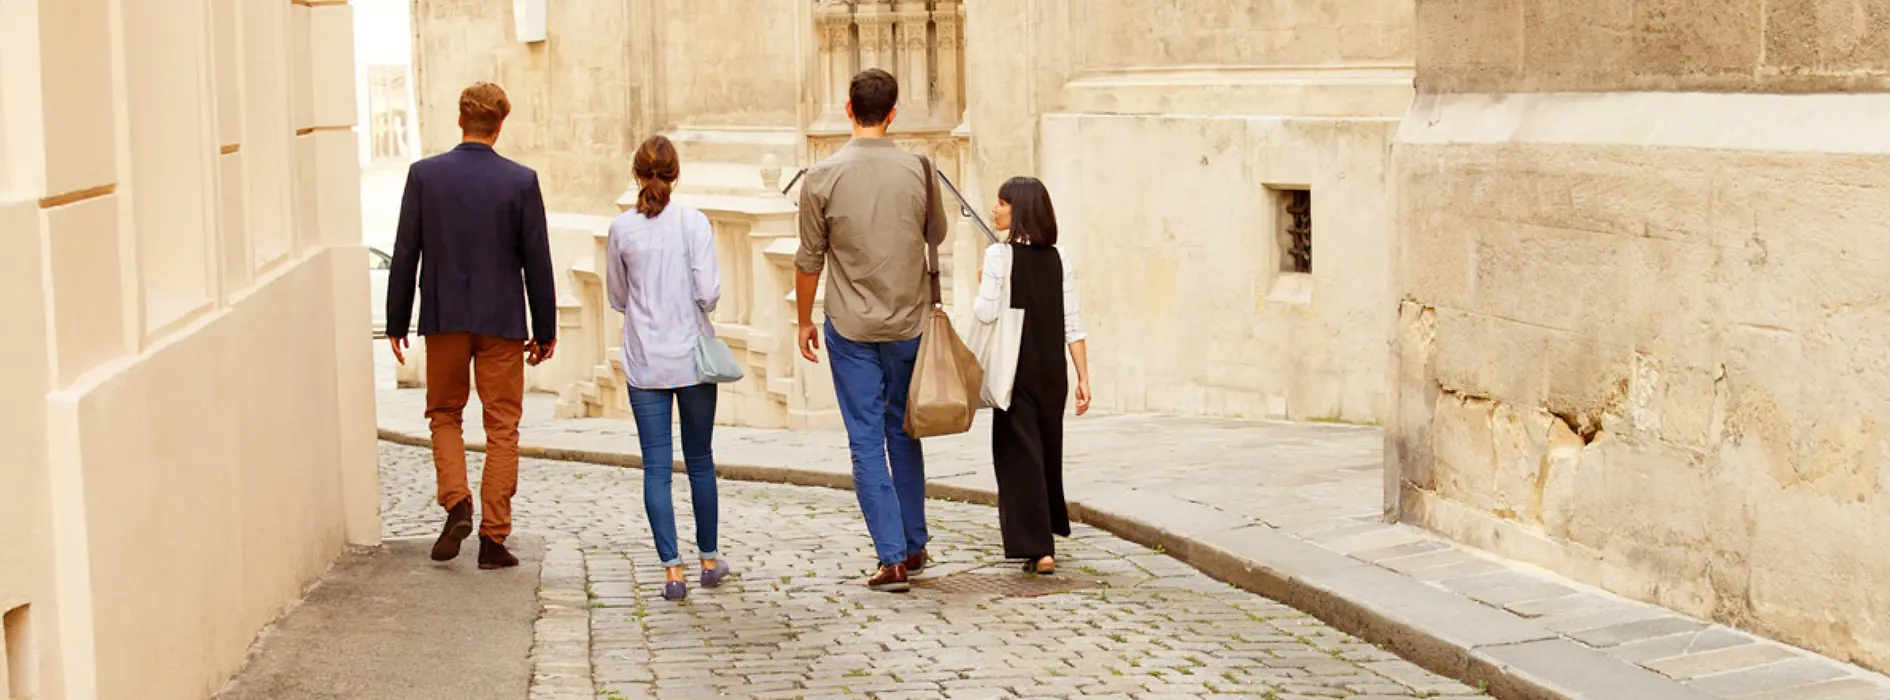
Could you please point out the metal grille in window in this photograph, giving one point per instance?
(1298, 231)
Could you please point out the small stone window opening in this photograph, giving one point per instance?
(1295, 217)
(21, 669)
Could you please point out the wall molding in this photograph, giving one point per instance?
(1823, 123)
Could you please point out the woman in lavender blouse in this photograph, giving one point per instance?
(662, 275)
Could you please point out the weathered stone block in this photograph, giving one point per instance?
(1520, 438)
(1827, 39)
(1693, 43)
(1469, 45)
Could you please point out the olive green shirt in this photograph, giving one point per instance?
(863, 221)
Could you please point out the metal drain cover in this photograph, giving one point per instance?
(1017, 585)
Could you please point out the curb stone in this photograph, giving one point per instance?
(1513, 659)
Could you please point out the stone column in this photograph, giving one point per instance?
(833, 27)
(914, 52)
(875, 20)
(950, 109)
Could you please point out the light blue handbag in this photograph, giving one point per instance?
(715, 362)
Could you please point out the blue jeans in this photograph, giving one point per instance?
(652, 410)
(871, 380)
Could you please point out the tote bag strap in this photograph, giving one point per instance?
(931, 249)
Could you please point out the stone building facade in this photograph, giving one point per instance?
(1191, 146)
(1606, 273)
(1641, 342)
(186, 395)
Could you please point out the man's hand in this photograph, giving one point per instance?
(399, 343)
(536, 352)
(1082, 397)
(810, 342)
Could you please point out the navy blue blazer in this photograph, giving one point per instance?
(472, 226)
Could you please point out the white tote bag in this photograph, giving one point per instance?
(997, 343)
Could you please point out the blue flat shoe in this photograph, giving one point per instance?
(713, 577)
(675, 590)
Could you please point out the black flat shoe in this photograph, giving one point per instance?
(459, 525)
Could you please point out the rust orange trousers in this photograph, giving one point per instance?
(455, 361)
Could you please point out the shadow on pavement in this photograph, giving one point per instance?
(391, 624)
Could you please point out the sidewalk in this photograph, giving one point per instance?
(1290, 511)
(383, 625)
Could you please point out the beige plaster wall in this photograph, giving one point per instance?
(1642, 345)
(1694, 45)
(573, 116)
(211, 503)
(190, 403)
(26, 482)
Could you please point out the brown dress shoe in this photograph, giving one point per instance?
(493, 555)
(459, 525)
(891, 578)
(916, 561)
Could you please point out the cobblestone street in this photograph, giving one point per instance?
(1118, 620)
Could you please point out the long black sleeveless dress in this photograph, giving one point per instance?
(1027, 440)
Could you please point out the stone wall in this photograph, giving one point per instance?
(572, 120)
(1691, 45)
(1169, 133)
(189, 403)
(1642, 335)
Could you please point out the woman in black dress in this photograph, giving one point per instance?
(1027, 438)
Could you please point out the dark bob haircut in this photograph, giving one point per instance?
(1033, 219)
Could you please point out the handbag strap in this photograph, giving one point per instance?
(931, 248)
(703, 325)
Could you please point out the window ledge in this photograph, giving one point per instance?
(1291, 288)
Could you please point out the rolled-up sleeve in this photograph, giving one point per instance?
(1072, 319)
(997, 267)
(616, 270)
(704, 268)
(811, 257)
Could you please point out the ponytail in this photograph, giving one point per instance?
(656, 166)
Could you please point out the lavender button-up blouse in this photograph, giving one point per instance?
(652, 265)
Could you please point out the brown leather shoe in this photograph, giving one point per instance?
(459, 525)
(493, 555)
(891, 578)
(916, 561)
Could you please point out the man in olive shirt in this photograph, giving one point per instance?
(865, 210)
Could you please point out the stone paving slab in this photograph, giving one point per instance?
(391, 624)
(1291, 511)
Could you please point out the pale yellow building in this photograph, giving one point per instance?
(1184, 143)
(186, 387)
(1643, 250)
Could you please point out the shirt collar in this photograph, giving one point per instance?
(882, 142)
